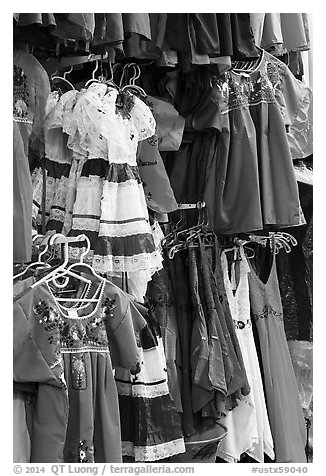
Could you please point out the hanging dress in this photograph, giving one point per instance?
(150, 424)
(281, 390)
(73, 352)
(263, 123)
(248, 426)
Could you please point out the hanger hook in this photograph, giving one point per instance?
(67, 72)
(84, 238)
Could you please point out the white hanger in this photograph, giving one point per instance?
(68, 271)
(55, 273)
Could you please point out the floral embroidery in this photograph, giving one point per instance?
(78, 372)
(53, 324)
(241, 325)
(266, 312)
(85, 453)
(153, 140)
(20, 95)
(77, 335)
(108, 307)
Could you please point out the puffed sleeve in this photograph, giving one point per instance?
(295, 101)
(143, 119)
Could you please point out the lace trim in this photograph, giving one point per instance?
(86, 224)
(119, 185)
(138, 390)
(124, 229)
(119, 264)
(105, 350)
(153, 453)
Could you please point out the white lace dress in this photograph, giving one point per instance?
(248, 425)
(102, 192)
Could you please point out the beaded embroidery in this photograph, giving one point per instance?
(78, 335)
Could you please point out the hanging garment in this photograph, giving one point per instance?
(40, 19)
(161, 297)
(249, 111)
(69, 353)
(238, 385)
(77, 26)
(170, 124)
(31, 89)
(295, 275)
(294, 32)
(109, 206)
(272, 37)
(243, 40)
(150, 425)
(281, 390)
(257, 26)
(207, 368)
(21, 437)
(180, 282)
(157, 188)
(248, 425)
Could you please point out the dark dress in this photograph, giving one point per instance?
(263, 122)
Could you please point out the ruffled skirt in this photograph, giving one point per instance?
(110, 208)
(150, 424)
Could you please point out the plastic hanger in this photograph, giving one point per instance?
(68, 271)
(55, 272)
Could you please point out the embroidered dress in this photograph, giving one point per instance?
(264, 121)
(150, 424)
(77, 418)
(281, 390)
(248, 426)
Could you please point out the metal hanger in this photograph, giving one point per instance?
(132, 84)
(64, 79)
(93, 78)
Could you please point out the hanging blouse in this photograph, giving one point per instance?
(70, 353)
(263, 119)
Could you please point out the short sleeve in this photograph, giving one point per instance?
(121, 332)
(295, 101)
(143, 119)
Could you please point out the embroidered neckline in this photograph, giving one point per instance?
(250, 72)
